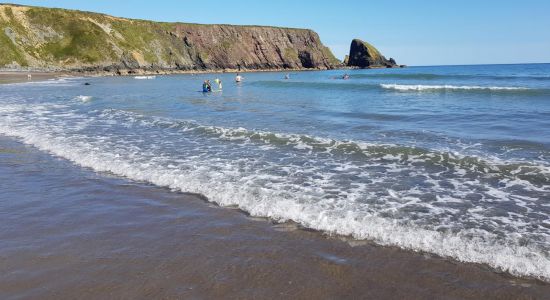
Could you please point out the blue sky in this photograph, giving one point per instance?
(421, 32)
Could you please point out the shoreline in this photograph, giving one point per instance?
(106, 236)
(18, 76)
(21, 76)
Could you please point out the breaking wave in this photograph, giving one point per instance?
(339, 187)
(84, 98)
(420, 87)
(431, 76)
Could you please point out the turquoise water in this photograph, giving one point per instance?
(450, 160)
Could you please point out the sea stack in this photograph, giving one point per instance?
(365, 55)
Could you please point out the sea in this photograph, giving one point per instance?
(452, 161)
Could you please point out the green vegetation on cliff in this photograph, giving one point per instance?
(49, 38)
(8, 49)
(374, 53)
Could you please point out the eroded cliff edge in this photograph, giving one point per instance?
(50, 39)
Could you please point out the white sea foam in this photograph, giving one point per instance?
(63, 81)
(83, 98)
(245, 183)
(420, 87)
(145, 77)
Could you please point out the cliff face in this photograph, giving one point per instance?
(58, 39)
(364, 55)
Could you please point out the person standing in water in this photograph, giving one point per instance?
(287, 76)
(219, 83)
(206, 86)
(238, 78)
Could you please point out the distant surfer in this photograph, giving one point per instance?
(345, 77)
(287, 76)
(238, 78)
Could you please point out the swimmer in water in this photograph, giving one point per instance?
(206, 86)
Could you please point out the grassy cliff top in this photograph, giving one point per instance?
(374, 53)
(79, 13)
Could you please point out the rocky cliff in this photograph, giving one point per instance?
(58, 39)
(365, 55)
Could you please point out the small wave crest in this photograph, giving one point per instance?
(430, 76)
(334, 84)
(63, 81)
(420, 87)
(83, 98)
(535, 174)
(365, 87)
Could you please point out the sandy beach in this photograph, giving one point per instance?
(79, 234)
(21, 76)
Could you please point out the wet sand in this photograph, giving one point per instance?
(67, 233)
(14, 77)
(22, 76)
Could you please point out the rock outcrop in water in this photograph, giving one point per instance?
(58, 39)
(364, 55)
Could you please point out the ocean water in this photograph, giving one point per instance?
(450, 160)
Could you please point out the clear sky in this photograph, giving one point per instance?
(414, 32)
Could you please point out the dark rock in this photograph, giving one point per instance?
(306, 59)
(346, 60)
(364, 55)
(128, 61)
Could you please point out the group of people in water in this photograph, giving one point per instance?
(207, 85)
